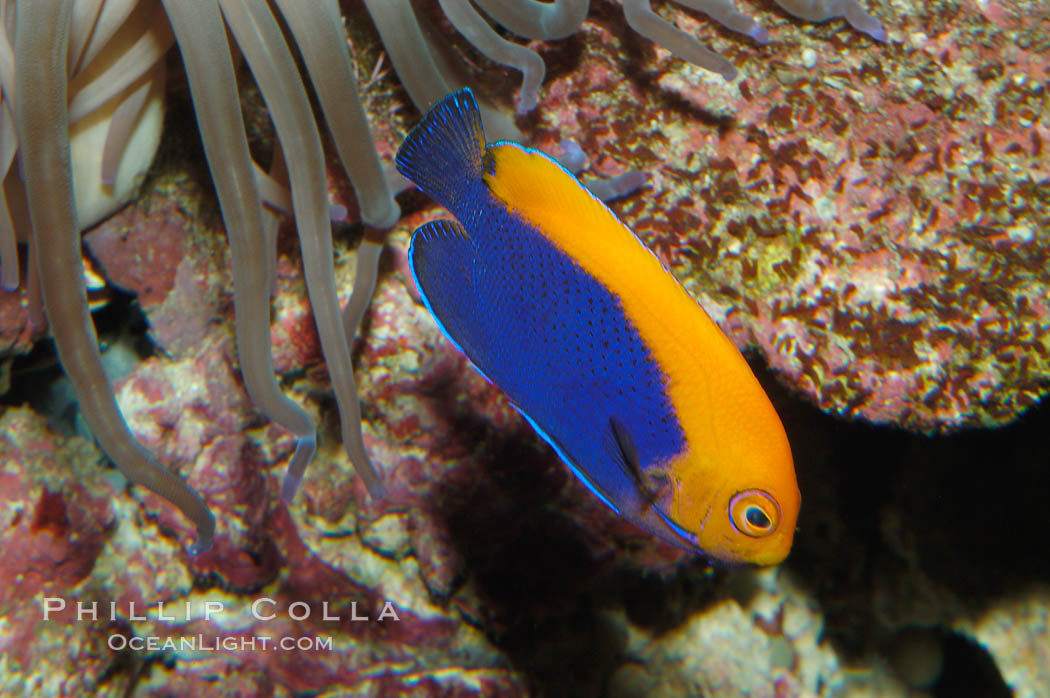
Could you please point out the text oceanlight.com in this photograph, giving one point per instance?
(212, 643)
(260, 611)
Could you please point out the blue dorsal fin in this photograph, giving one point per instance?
(442, 155)
(441, 257)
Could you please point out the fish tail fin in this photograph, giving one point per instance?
(443, 154)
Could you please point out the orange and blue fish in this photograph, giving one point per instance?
(560, 305)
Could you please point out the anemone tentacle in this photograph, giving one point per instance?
(478, 32)
(42, 120)
(259, 38)
(538, 20)
(199, 31)
(322, 42)
(424, 78)
(8, 240)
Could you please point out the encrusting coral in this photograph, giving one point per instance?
(40, 88)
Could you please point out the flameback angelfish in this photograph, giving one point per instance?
(560, 305)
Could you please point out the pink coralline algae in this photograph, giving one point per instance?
(71, 536)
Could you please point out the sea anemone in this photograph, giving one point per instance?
(43, 103)
(98, 61)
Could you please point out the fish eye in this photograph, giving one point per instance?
(757, 518)
(754, 513)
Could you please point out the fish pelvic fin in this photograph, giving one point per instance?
(443, 154)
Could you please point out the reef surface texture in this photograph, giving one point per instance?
(868, 216)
